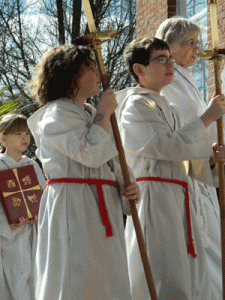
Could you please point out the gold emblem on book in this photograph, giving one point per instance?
(16, 201)
(26, 180)
(33, 198)
(11, 184)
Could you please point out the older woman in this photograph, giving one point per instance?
(182, 37)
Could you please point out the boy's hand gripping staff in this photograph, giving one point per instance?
(216, 55)
(95, 39)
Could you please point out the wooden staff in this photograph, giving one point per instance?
(217, 68)
(95, 41)
(216, 56)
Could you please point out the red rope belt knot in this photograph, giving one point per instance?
(102, 206)
(191, 249)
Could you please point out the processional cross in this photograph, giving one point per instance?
(95, 39)
(216, 56)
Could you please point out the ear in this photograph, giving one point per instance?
(3, 139)
(139, 70)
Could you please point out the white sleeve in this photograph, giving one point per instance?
(145, 132)
(175, 94)
(69, 133)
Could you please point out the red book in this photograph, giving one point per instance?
(20, 193)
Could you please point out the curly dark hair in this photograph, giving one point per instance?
(56, 74)
(140, 51)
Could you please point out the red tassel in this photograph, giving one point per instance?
(191, 249)
(103, 211)
(109, 232)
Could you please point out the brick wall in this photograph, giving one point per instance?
(151, 13)
(171, 4)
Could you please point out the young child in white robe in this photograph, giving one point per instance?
(160, 151)
(81, 248)
(17, 242)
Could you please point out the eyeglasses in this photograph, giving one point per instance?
(164, 60)
(193, 43)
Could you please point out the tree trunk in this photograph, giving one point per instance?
(76, 19)
(61, 27)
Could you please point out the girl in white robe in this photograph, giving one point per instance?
(158, 148)
(17, 242)
(79, 255)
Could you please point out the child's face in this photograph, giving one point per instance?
(157, 75)
(16, 142)
(89, 83)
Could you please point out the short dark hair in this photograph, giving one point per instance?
(58, 70)
(140, 51)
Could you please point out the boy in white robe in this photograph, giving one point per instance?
(160, 152)
(81, 248)
(18, 242)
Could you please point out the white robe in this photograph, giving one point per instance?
(183, 92)
(18, 246)
(75, 259)
(156, 144)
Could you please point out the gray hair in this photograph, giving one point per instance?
(177, 29)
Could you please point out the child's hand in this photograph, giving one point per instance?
(34, 220)
(106, 106)
(23, 221)
(107, 103)
(215, 110)
(219, 153)
(132, 192)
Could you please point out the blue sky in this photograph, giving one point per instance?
(194, 7)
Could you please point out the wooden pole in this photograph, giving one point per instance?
(217, 69)
(126, 176)
(96, 43)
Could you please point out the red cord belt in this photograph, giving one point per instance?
(191, 249)
(102, 206)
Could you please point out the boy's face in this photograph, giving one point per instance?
(156, 75)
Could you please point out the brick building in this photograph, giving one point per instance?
(150, 14)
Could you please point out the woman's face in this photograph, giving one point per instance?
(186, 54)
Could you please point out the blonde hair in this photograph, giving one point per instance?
(55, 76)
(12, 123)
(177, 29)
